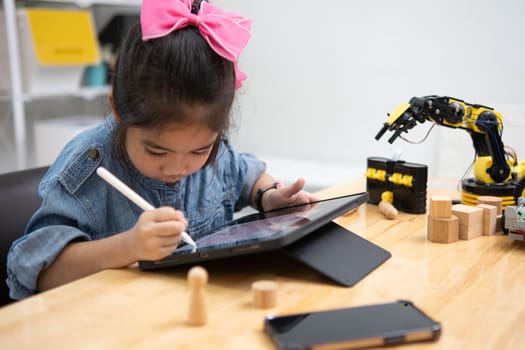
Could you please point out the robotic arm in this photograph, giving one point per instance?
(484, 124)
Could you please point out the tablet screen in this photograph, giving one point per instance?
(274, 225)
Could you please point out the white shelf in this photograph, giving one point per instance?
(17, 97)
(86, 93)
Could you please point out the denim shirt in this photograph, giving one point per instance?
(77, 205)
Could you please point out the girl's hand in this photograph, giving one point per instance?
(156, 233)
(287, 195)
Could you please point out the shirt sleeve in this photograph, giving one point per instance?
(243, 169)
(34, 252)
(251, 168)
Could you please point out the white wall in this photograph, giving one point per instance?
(322, 75)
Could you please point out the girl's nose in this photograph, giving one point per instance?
(175, 167)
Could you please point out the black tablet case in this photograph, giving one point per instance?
(338, 254)
(335, 252)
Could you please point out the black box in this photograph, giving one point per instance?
(407, 182)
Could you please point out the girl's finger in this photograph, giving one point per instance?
(293, 189)
(169, 228)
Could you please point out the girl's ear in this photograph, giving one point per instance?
(112, 106)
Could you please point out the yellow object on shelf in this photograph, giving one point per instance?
(55, 47)
(63, 36)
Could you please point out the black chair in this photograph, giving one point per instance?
(18, 201)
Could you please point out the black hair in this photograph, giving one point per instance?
(158, 81)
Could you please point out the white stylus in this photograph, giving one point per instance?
(135, 198)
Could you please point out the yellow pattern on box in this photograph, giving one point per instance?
(63, 37)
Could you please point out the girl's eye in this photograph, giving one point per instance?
(202, 153)
(155, 154)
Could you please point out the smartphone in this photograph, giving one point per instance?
(352, 328)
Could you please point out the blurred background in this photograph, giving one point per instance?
(322, 77)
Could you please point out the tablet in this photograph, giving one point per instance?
(261, 231)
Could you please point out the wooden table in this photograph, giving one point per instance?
(474, 288)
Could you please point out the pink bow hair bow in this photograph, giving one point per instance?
(227, 33)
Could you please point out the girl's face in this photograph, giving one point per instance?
(171, 152)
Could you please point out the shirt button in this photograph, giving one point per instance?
(93, 154)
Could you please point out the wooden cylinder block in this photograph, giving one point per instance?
(264, 294)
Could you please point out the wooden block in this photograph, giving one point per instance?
(197, 311)
(492, 200)
(489, 218)
(467, 232)
(388, 210)
(440, 207)
(443, 230)
(264, 294)
(470, 220)
(467, 214)
(499, 228)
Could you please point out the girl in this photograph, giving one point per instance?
(172, 90)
